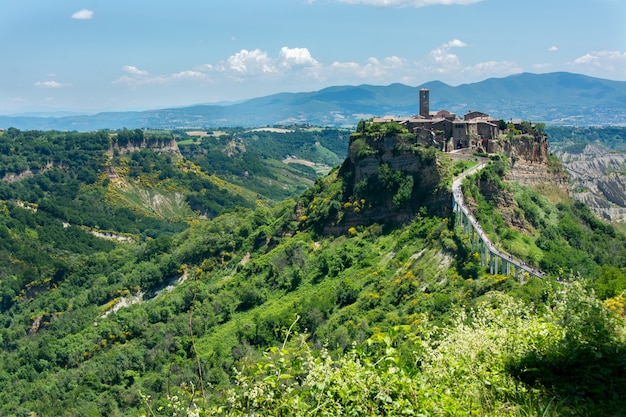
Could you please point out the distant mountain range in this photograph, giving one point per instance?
(556, 98)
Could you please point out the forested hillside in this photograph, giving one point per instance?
(235, 302)
(573, 139)
(68, 194)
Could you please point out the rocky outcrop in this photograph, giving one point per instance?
(530, 174)
(159, 145)
(406, 160)
(112, 173)
(13, 177)
(399, 154)
(599, 180)
(528, 157)
(412, 166)
(530, 149)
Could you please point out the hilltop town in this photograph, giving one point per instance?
(399, 165)
(476, 130)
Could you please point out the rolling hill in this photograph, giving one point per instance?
(254, 312)
(554, 98)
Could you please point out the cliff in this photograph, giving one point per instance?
(125, 143)
(528, 158)
(157, 144)
(599, 180)
(529, 164)
(384, 180)
(27, 173)
(389, 177)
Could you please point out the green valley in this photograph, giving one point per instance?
(299, 271)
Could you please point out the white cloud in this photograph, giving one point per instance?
(553, 49)
(189, 74)
(83, 14)
(409, 3)
(252, 63)
(126, 80)
(345, 65)
(601, 58)
(374, 70)
(296, 69)
(454, 43)
(605, 64)
(48, 84)
(247, 62)
(135, 81)
(136, 77)
(131, 69)
(440, 60)
(444, 60)
(296, 56)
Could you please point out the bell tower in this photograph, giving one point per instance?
(424, 102)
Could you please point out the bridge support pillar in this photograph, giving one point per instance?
(488, 257)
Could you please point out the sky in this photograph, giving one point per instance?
(88, 56)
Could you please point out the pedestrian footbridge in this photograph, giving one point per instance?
(490, 257)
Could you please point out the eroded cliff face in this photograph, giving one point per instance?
(528, 159)
(386, 202)
(160, 145)
(404, 158)
(13, 177)
(599, 180)
(157, 145)
(407, 162)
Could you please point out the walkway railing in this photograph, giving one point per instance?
(496, 261)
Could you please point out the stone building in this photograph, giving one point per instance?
(445, 129)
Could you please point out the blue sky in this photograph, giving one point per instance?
(102, 55)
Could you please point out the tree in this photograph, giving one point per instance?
(394, 128)
(526, 127)
(540, 127)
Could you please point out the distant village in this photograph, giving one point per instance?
(448, 132)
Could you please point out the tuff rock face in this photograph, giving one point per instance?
(528, 158)
(379, 206)
(161, 145)
(599, 180)
(599, 175)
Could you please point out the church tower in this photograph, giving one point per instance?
(424, 104)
